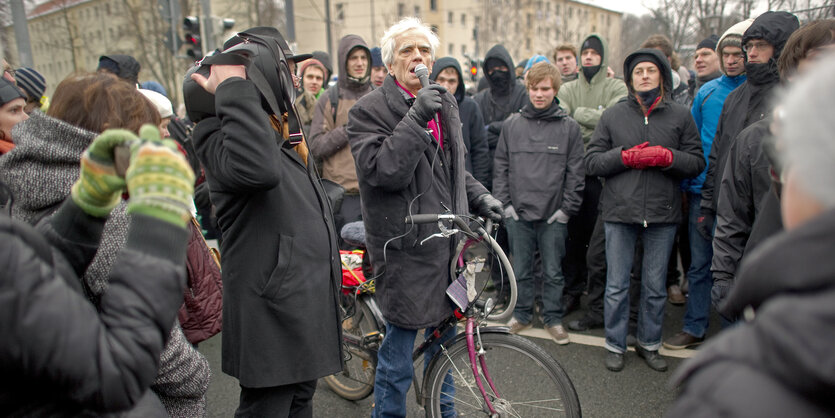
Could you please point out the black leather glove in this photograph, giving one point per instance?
(705, 223)
(427, 103)
(489, 207)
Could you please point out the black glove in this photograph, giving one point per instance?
(705, 222)
(427, 103)
(495, 127)
(489, 207)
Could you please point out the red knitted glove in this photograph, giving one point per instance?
(630, 156)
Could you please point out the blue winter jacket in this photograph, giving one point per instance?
(707, 106)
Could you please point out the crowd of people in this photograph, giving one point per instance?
(605, 187)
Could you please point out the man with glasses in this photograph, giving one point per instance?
(762, 43)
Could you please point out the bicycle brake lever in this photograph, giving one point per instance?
(443, 234)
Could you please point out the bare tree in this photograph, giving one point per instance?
(675, 18)
(711, 17)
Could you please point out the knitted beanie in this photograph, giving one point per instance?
(31, 82)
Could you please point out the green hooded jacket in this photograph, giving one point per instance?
(585, 101)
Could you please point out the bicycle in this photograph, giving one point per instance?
(458, 380)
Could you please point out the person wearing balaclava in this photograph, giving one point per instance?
(505, 96)
(328, 139)
(643, 147)
(762, 43)
(585, 99)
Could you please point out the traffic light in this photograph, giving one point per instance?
(191, 29)
(473, 71)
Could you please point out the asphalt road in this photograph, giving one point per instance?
(637, 391)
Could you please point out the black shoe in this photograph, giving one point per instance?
(652, 358)
(614, 361)
(681, 341)
(584, 324)
(570, 304)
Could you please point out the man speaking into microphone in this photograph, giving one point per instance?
(406, 141)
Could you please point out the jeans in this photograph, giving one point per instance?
(526, 237)
(698, 276)
(620, 254)
(395, 370)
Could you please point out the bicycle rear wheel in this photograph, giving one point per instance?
(362, 336)
(528, 381)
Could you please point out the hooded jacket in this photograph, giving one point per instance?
(478, 161)
(496, 108)
(48, 153)
(586, 100)
(748, 103)
(651, 195)
(778, 363)
(328, 140)
(707, 105)
(402, 170)
(539, 163)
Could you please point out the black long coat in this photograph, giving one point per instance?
(280, 264)
(401, 170)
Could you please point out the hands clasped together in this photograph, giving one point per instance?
(643, 156)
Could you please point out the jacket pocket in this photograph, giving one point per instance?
(271, 288)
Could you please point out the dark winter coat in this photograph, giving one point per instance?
(539, 163)
(474, 134)
(402, 171)
(60, 356)
(750, 102)
(744, 184)
(496, 108)
(779, 363)
(328, 139)
(651, 195)
(280, 264)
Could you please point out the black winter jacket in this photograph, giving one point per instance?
(281, 270)
(60, 356)
(473, 133)
(744, 184)
(539, 164)
(780, 362)
(651, 195)
(402, 171)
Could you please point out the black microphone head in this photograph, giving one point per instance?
(422, 73)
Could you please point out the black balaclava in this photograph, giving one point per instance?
(594, 43)
(499, 79)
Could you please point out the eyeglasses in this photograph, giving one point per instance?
(759, 45)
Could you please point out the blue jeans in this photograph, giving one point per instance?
(699, 279)
(525, 237)
(394, 370)
(620, 253)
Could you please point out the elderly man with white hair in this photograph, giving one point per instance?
(407, 144)
(779, 362)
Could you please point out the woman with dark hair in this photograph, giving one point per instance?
(643, 147)
(41, 170)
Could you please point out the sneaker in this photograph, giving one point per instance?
(558, 334)
(584, 324)
(516, 326)
(675, 296)
(682, 340)
(652, 358)
(614, 361)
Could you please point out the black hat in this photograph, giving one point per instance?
(648, 55)
(9, 91)
(709, 42)
(125, 67)
(594, 43)
(270, 32)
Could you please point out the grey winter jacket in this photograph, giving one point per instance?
(651, 195)
(538, 166)
(403, 171)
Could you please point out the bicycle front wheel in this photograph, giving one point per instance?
(362, 335)
(528, 382)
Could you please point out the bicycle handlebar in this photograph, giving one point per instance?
(433, 217)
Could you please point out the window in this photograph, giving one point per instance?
(463, 49)
(527, 43)
(557, 9)
(477, 21)
(463, 19)
(450, 49)
(340, 11)
(570, 12)
(417, 10)
(530, 20)
(449, 18)
(401, 9)
(433, 5)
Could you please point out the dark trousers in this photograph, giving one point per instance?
(294, 400)
(580, 229)
(596, 265)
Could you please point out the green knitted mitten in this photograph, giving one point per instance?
(99, 188)
(160, 181)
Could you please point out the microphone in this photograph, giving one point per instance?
(422, 74)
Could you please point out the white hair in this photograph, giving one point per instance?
(407, 24)
(808, 131)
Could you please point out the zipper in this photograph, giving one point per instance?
(646, 138)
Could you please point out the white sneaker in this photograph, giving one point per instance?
(558, 334)
(516, 326)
